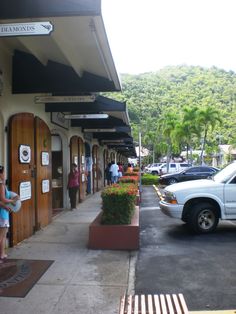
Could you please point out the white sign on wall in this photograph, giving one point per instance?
(58, 118)
(45, 186)
(64, 99)
(24, 154)
(45, 158)
(25, 29)
(82, 159)
(83, 177)
(25, 191)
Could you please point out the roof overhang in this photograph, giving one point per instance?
(116, 111)
(114, 131)
(75, 53)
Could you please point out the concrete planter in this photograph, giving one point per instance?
(114, 237)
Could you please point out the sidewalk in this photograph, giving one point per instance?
(80, 280)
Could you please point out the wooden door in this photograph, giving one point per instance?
(105, 163)
(83, 176)
(22, 174)
(74, 154)
(95, 173)
(43, 195)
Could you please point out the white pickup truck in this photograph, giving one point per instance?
(202, 203)
(162, 168)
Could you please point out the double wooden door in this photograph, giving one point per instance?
(77, 155)
(30, 174)
(95, 168)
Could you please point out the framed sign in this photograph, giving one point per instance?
(45, 186)
(45, 158)
(75, 160)
(24, 154)
(83, 177)
(25, 190)
(82, 159)
(64, 99)
(58, 118)
(26, 29)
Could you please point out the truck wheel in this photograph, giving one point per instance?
(155, 172)
(172, 181)
(203, 218)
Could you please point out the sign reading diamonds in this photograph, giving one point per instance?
(26, 29)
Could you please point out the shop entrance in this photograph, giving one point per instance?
(29, 174)
(95, 168)
(88, 167)
(57, 174)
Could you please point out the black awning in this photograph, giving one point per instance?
(101, 104)
(110, 122)
(15, 9)
(117, 112)
(111, 136)
(30, 76)
(114, 128)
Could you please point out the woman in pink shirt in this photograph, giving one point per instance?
(73, 185)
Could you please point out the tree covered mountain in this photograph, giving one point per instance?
(181, 106)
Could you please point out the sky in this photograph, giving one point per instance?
(147, 35)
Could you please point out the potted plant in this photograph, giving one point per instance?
(117, 225)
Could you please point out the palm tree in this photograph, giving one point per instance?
(187, 129)
(167, 126)
(208, 117)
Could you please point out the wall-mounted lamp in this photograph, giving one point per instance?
(99, 130)
(110, 142)
(87, 116)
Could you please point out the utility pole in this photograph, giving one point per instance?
(140, 177)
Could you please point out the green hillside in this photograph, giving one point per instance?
(181, 106)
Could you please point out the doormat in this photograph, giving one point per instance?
(57, 211)
(18, 276)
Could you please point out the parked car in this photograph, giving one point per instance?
(201, 203)
(146, 167)
(192, 173)
(152, 168)
(173, 167)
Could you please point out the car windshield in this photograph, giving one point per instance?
(225, 174)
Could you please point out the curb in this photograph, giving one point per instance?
(158, 192)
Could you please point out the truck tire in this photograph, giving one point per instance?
(155, 172)
(203, 218)
(172, 181)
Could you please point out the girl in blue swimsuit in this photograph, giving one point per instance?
(5, 199)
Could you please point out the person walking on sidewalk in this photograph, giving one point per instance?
(120, 171)
(114, 172)
(108, 173)
(73, 185)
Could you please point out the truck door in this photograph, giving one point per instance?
(173, 168)
(230, 198)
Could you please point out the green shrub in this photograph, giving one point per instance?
(118, 204)
(149, 179)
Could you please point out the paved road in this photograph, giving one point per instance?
(172, 260)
